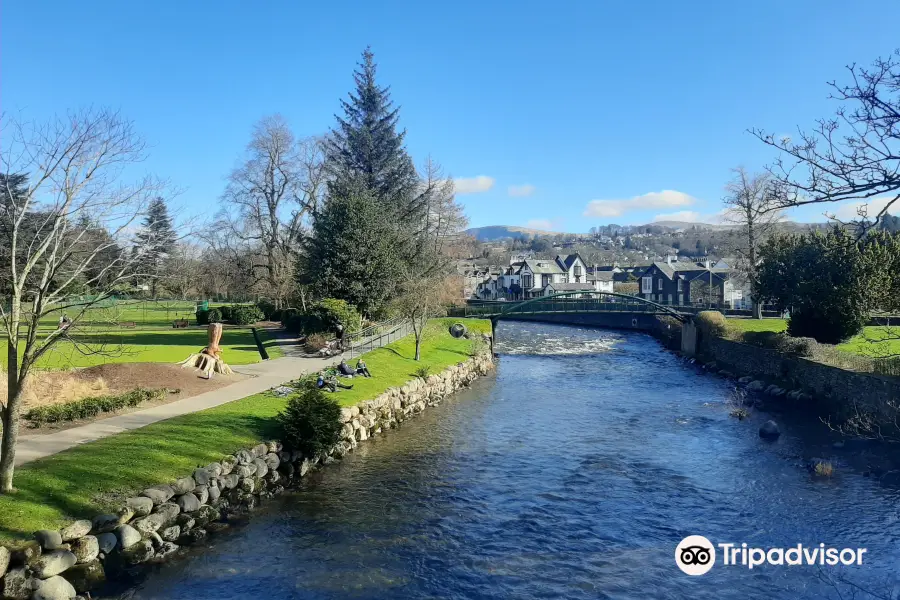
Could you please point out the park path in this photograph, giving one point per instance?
(263, 376)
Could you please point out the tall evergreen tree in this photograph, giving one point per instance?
(375, 207)
(155, 242)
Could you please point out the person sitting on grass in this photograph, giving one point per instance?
(344, 369)
(330, 383)
(362, 369)
(335, 382)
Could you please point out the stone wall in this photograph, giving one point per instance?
(834, 390)
(158, 523)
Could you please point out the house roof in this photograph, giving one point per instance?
(571, 287)
(601, 276)
(543, 267)
(687, 270)
(566, 262)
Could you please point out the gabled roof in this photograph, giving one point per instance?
(543, 267)
(571, 287)
(601, 276)
(566, 262)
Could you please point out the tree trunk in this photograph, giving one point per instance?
(10, 420)
(418, 345)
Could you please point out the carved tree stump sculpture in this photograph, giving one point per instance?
(208, 359)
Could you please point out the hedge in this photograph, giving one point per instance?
(90, 407)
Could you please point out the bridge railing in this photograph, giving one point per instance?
(567, 302)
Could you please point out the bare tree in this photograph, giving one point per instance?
(66, 228)
(184, 271)
(852, 156)
(271, 195)
(427, 283)
(751, 204)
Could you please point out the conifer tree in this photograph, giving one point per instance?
(155, 242)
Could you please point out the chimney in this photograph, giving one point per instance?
(706, 263)
(668, 259)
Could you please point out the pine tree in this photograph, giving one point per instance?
(155, 242)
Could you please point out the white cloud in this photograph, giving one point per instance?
(849, 211)
(521, 190)
(616, 208)
(544, 224)
(473, 185)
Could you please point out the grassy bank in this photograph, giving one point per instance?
(89, 348)
(84, 480)
(882, 337)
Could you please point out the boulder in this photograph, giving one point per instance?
(170, 534)
(247, 485)
(128, 536)
(186, 522)
(272, 461)
(214, 470)
(141, 506)
(273, 447)
(54, 588)
(86, 577)
(202, 493)
(346, 415)
(188, 502)
(229, 482)
(166, 550)
(205, 514)
(107, 542)
(756, 385)
(4, 559)
(49, 539)
(16, 585)
(305, 466)
(26, 554)
(215, 527)
(184, 485)
(261, 467)
(105, 523)
(194, 536)
(202, 476)
(159, 494)
(149, 524)
(244, 471)
(76, 530)
(769, 430)
(260, 450)
(745, 379)
(53, 563)
(138, 553)
(228, 463)
(85, 549)
(244, 457)
(169, 510)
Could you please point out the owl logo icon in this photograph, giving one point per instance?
(695, 555)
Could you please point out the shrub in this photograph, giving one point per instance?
(422, 372)
(245, 314)
(316, 342)
(267, 308)
(797, 346)
(333, 311)
(215, 316)
(763, 339)
(89, 407)
(202, 317)
(311, 421)
(712, 323)
(226, 312)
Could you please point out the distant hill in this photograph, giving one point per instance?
(500, 232)
(686, 225)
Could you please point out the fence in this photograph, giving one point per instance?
(376, 336)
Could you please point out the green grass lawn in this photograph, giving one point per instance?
(873, 341)
(82, 481)
(148, 345)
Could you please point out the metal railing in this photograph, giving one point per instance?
(376, 336)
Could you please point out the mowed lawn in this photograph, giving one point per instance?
(82, 481)
(873, 341)
(88, 347)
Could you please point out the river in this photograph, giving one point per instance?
(572, 473)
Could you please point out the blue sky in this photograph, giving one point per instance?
(538, 108)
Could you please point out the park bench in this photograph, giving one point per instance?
(180, 323)
(129, 324)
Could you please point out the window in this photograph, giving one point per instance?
(646, 285)
(680, 282)
(670, 298)
(577, 270)
(660, 284)
(545, 279)
(680, 298)
(526, 281)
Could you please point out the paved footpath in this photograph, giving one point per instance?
(263, 376)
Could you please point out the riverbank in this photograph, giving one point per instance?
(53, 491)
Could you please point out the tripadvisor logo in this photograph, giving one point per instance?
(696, 555)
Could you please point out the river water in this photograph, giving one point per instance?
(573, 473)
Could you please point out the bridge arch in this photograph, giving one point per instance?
(585, 301)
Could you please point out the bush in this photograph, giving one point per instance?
(226, 312)
(311, 421)
(422, 372)
(712, 323)
(333, 311)
(202, 317)
(215, 316)
(827, 326)
(797, 346)
(267, 308)
(89, 407)
(245, 314)
(315, 342)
